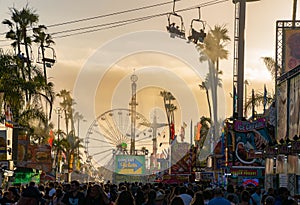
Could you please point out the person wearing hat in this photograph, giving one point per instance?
(218, 198)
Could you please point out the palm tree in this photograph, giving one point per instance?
(18, 25)
(25, 18)
(72, 145)
(169, 108)
(44, 40)
(258, 100)
(15, 36)
(66, 104)
(259, 97)
(213, 50)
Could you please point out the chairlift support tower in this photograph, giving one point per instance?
(133, 105)
(238, 62)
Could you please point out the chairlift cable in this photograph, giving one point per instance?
(129, 21)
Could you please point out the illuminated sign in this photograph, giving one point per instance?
(244, 172)
(130, 164)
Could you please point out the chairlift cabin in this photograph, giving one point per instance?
(47, 56)
(22, 53)
(197, 33)
(173, 29)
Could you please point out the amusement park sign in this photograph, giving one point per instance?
(246, 126)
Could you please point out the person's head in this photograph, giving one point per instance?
(31, 183)
(95, 190)
(66, 187)
(75, 185)
(257, 190)
(269, 200)
(198, 198)
(245, 196)
(230, 188)
(271, 191)
(182, 190)
(218, 192)
(177, 200)
(151, 195)
(283, 192)
(51, 184)
(125, 197)
(59, 192)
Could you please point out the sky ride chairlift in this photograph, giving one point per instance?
(21, 55)
(175, 31)
(50, 59)
(196, 36)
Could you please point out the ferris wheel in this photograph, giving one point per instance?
(110, 134)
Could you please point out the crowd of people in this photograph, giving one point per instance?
(74, 193)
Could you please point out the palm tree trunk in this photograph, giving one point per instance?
(27, 53)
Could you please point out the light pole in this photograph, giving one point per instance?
(58, 111)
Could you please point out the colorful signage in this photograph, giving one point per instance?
(249, 139)
(39, 157)
(244, 172)
(3, 150)
(292, 49)
(130, 164)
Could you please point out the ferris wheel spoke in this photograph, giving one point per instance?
(99, 140)
(110, 135)
(103, 128)
(102, 152)
(100, 146)
(110, 126)
(104, 160)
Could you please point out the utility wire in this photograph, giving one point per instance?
(129, 21)
(120, 23)
(111, 14)
(106, 15)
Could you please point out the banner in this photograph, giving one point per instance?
(251, 139)
(294, 107)
(282, 111)
(291, 49)
(3, 150)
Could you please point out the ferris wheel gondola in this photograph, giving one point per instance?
(197, 35)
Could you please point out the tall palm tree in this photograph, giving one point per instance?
(66, 104)
(270, 63)
(20, 21)
(25, 18)
(169, 108)
(14, 34)
(44, 40)
(258, 100)
(213, 50)
(27, 115)
(72, 146)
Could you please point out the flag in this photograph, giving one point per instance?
(8, 113)
(253, 104)
(172, 131)
(234, 100)
(51, 138)
(198, 130)
(8, 116)
(265, 96)
(9, 124)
